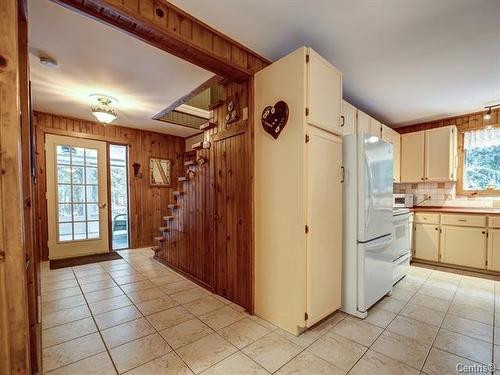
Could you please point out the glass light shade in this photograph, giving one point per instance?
(104, 116)
(487, 116)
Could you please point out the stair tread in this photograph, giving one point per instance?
(188, 163)
(160, 238)
(201, 145)
(183, 179)
(175, 193)
(163, 229)
(170, 217)
(173, 206)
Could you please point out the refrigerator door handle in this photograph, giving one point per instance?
(370, 192)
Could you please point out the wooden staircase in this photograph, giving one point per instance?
(172, 229)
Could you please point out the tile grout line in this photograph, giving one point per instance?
(385, 329)
(145, 317)
(95, 322)
(441, 325)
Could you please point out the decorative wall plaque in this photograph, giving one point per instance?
(275, 118)
(232, 108)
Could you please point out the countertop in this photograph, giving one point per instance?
(458, 210)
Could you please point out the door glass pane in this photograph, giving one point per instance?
(63, 174)
(92, 193)
(79, 212)
(119, 195)
(92, 212)
(80, 231)
(64, 193)
(90, 157)
(65, 232)
(77, 175)
(77, 193)
(65, 213)
(77, 156)
(93, 229)
(91, 175)
(63, 154)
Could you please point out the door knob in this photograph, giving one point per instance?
(102, 205)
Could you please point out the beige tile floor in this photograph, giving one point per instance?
(136, 316)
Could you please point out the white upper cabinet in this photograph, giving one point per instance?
(324, 93)
(429, 155)
(375, 127)
(349, 114)
(363, 123)
(412, 157)
(393, 137)
(441, 154)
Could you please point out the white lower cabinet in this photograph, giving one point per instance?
(426, 242)
(463, 246)
(493, 250)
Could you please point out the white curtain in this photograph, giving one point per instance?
(481, 138)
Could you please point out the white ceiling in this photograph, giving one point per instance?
(95, 58)
(404, 61)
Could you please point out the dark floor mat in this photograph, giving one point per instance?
(87, 259)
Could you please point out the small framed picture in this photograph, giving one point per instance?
(160, 172)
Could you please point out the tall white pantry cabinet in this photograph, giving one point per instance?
(298, 193)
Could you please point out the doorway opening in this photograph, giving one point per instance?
(118, 178)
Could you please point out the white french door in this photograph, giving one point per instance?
(77, 196)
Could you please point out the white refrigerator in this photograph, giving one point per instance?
(367, 219)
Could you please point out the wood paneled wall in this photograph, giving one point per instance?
(173, 30)
(212, 240)
(465, 122)
(147, 204)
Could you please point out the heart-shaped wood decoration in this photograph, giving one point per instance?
(275, 118)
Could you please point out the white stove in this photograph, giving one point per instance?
(400, 247)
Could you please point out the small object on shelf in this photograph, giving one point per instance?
(201, 145)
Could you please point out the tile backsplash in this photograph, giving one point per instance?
(442, 194)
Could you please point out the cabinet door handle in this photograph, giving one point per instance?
(343, 121)
(436, 228)
(462, 220)
(342, 169)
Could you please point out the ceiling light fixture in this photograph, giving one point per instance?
(49, 62)
(487, 115)
(103, 110)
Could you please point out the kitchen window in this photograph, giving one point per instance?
(481, 162)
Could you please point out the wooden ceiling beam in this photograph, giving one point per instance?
(169, 28)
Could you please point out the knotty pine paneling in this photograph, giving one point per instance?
(212, 236)
(465, 122)
(170, 28)
(147, 204)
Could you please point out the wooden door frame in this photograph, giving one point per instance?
(14, 323)
(110, 221)
(109, 141)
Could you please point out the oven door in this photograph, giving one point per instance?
(401, 243)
